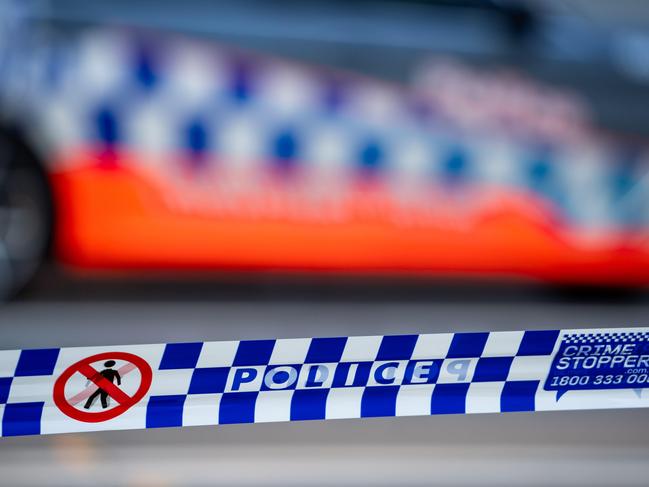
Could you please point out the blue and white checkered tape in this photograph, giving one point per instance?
(159, 96)
(61, 390)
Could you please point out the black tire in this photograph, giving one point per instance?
(26, 215)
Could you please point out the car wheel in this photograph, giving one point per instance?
(25, 215)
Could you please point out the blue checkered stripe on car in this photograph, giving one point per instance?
(356, 377)
(161, 97)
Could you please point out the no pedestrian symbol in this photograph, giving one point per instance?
(103, 386)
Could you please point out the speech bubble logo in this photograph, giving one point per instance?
(600, 361)
(560, 393)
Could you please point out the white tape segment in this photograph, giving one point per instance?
(184, 384)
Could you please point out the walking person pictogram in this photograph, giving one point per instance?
(104, 384)
(109, 374)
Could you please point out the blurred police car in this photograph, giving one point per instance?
(140, 149)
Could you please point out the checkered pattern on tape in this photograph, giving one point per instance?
(617, 337)
(504, 376)
(22, 375)
(162, 96)
(190, 387)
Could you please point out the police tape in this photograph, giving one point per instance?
(62, 390)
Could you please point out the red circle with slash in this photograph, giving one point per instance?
(85, 368)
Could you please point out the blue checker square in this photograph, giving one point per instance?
(456, 164)
(397, 347)
(107, 125)
(209, 380)
(309, 404)
(518, 395)
(254, 352)
(37, 362)
(449, 399)
(23, 418)
(334, 96)
(371, 158)
(538, 342)
(238, 407)
(467, 345)
(285, 146)
(165, 411)
(358, 378)
(418, 372)
(196, 136)
(379, 401)
(285, 377)
(241, 83)
(180, 355)
(5, 385)
(323, 350)
(489, 369)
(145, 69)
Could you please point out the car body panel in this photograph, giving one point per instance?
(172, 153)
